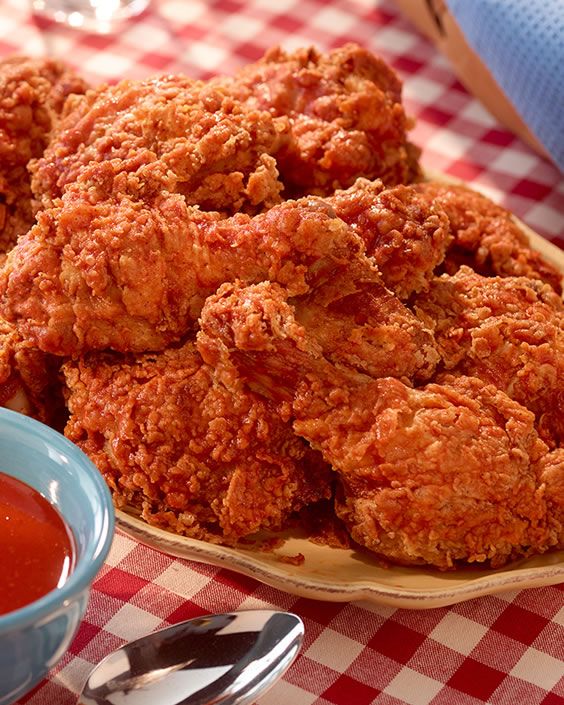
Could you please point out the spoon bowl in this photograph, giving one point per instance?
(227, 658)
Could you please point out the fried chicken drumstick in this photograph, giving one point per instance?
(445, 473)
(130, 276)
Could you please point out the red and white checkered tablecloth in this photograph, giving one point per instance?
(504, 649)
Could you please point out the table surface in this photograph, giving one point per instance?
(499, 649)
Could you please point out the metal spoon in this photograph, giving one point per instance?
(224, 658)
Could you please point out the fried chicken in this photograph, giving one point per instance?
(32, 95)
(508, 331)
(406, 235)
(322, 120)
(132, 276)
(486, 237)
(361, 325)
(174, 442)
(321, 346)
(29, 380)
(447, 473)
(442, 474)
(346, 117)
(169, 134)
(122, 275)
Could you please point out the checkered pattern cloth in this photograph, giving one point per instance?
(504, 649)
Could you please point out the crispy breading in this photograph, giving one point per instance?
(164, 135)
(346, 116)
(32, 95)
(444, 473)
(405, 234)
(509, 331)
(29, 381)
(174, 442)
(486, 237)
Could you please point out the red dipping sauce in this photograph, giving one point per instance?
(36, 546)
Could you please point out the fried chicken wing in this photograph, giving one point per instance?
(32, 95)
(192, 456)
(406, 235)
(508, 331)
(486, 237)
(346, 117)
(169, 134)
(445, 473)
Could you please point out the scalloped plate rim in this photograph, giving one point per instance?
(308, 585)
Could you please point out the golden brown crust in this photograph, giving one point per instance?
(508, 331)
(132, 275)
(406, 235)
(29, 379)
(32, 95)
(193, 456)
(350, 323)
(438, 475)
(168, 134)
(486, 237)
(346, 117)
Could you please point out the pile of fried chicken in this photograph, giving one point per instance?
(241, 298)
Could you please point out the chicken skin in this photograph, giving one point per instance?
(406, 235)
(508, 331)
(404, 490)
(122, 275)
(486, 237)
(346, 117)
(32, 95)
(29, 381)
(132, 276)
(168, 134)
(172, 441)
(321, 120)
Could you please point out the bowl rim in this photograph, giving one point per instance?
(89, 564)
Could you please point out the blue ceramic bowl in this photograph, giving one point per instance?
(34, 638)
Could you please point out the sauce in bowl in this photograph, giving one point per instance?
(36, 546)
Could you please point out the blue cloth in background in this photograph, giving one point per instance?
(522, 43)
